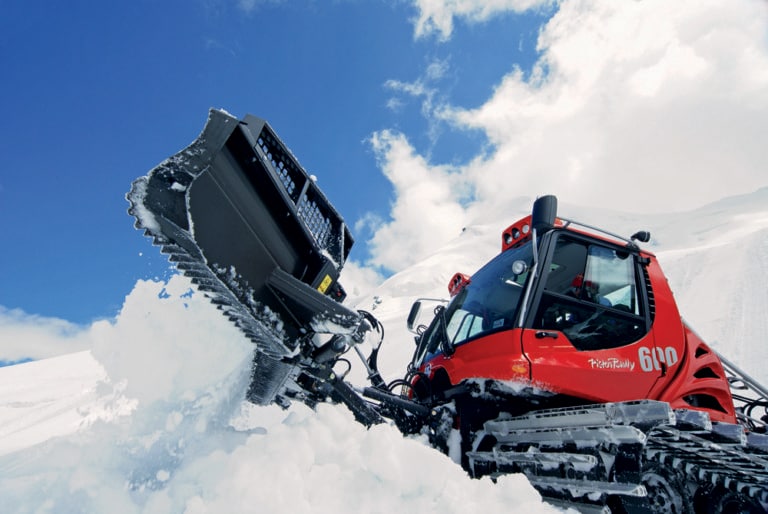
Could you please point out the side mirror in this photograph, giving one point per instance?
(544, 213)
(413, 315)
(643, 236)
(418, 318)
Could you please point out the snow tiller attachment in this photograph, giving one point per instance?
(239, 215)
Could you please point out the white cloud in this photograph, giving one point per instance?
(358, 280)
(427, 210)
(645, 106)
(425, 89)
(25, 335)
(436, 16)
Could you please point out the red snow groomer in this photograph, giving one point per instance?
(563, 358)
(568, 346)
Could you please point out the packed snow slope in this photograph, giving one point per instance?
(151, 418)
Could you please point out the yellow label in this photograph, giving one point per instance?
(327, 281)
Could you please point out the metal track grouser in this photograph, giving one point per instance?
(564, 358)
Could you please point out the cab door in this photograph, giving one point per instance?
(588, 327)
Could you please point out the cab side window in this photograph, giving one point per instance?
(591, 296)
(610, 279)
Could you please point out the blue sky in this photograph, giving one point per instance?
(97, 94)
(418, 118)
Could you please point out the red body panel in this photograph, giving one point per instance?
(700, 373)
(600, 375)
(498, 356)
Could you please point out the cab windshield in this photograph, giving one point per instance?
(489, 303)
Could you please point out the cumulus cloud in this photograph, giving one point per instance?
(638, 106)
(29, 336)
(359, 280)
(436, 16)
(427, 210)
(425, 90)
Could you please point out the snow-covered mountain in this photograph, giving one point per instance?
(150, 420)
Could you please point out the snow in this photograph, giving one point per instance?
(36, 404)
(144, 215)
(150, 419)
